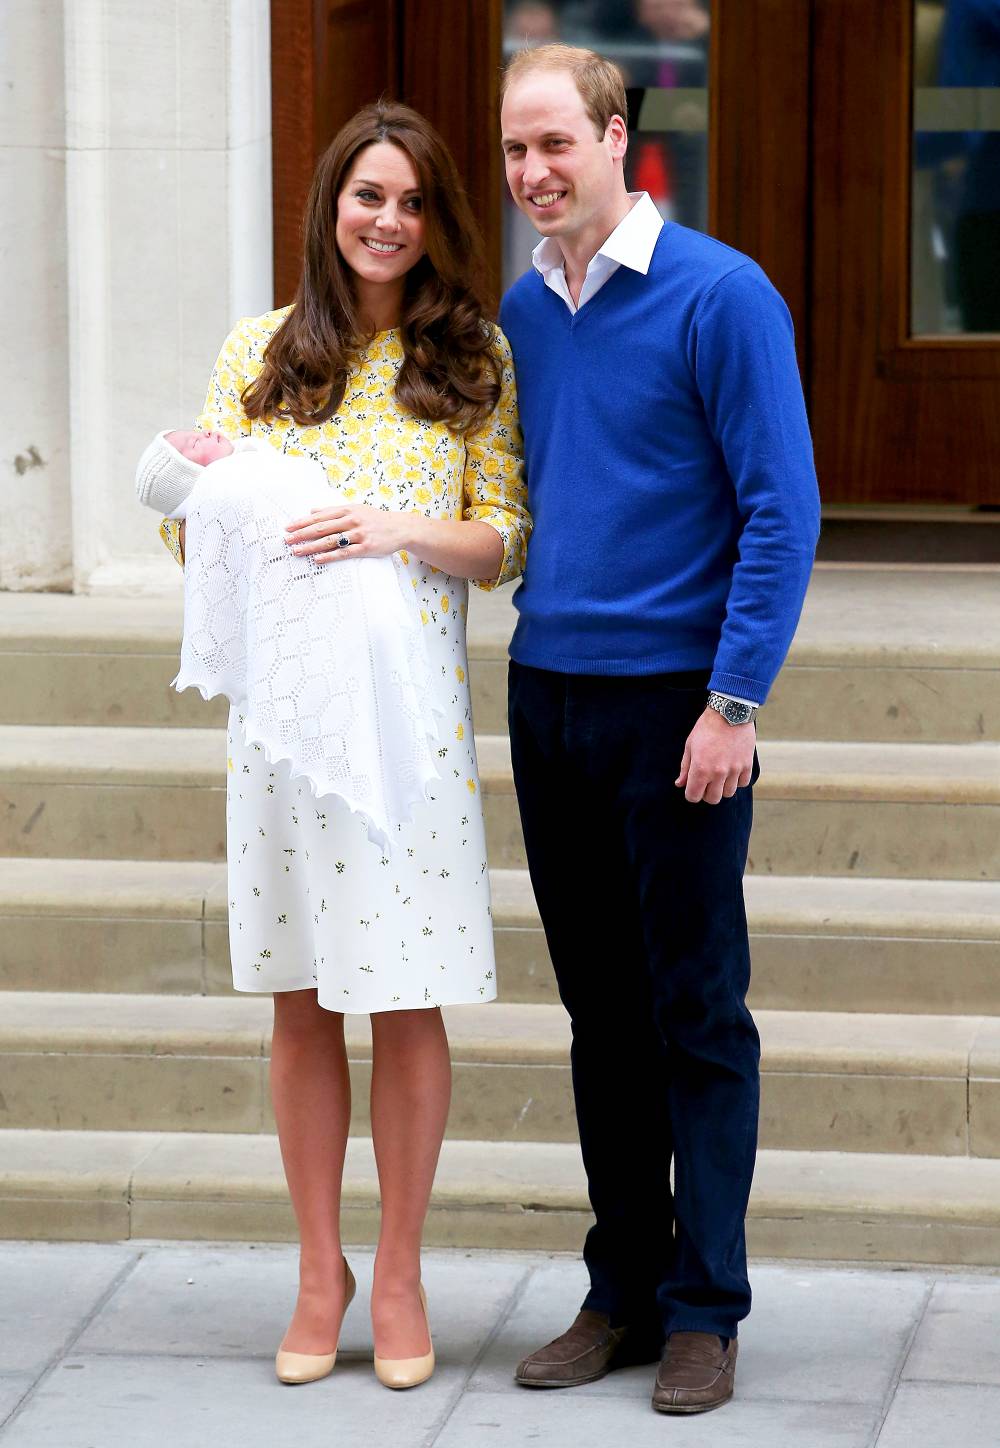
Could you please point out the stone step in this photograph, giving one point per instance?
(898, 810)
(159, 927)
(894, 654)
(124, 793)
(902, 810)
(108, 1186)
(880, 654)
(79, 659)
(849, 944)
(831, 1081)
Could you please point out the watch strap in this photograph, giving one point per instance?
(734, 711)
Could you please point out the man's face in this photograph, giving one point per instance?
(200, 447)
(561, 173)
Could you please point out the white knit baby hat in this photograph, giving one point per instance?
(164, 477)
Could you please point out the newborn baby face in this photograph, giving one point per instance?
(200, 447)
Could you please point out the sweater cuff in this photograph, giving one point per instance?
(736, 699)
(739, 686)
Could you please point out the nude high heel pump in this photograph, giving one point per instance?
(308, 1367)
(407, 1372)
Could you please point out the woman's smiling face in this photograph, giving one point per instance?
(380, 224)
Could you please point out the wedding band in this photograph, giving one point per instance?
(343, 541)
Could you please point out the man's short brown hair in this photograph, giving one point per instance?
(599, 81)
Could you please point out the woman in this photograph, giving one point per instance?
(384, 370)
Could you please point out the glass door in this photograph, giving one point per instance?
(955, 197)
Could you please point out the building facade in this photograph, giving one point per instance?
(155, 163)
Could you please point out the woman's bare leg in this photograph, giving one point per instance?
(311, 1092)
(411, 1092)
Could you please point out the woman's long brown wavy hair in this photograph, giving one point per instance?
(450, 372)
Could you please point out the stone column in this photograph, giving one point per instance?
(36, 550)
(168, 202)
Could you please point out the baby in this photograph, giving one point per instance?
(172, 464)
(325, 665)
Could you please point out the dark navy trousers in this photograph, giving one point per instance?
(641, 899)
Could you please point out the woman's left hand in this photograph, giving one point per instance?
(370, 533)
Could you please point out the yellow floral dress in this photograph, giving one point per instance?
(312, 902)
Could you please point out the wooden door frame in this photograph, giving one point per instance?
(314, 90)
(896, 418)
(457, 87)
(759, 143)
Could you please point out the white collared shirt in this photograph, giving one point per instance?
(630, 244)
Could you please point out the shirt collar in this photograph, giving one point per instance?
(631, 243)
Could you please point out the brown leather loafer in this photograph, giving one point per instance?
(695, 1374)
(588, 1350)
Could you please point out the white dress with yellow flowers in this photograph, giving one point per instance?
(312, 902)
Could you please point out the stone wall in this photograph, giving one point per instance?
(135, 228)
(35, 515)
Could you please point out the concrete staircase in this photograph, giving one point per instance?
(133, 1082)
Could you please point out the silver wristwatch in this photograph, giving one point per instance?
(732, 710)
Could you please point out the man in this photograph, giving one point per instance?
(675, 509)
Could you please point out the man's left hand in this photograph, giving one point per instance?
(718, 759)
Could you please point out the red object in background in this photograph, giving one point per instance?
(653, 172)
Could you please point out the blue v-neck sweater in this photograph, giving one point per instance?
(669, 469)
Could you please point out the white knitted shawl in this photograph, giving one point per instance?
(326, 662)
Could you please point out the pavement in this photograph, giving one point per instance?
(147, 1344)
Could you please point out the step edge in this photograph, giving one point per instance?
(948, 920)
(525, 1034)
(967, 1188)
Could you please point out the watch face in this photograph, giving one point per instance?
(737, 713)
